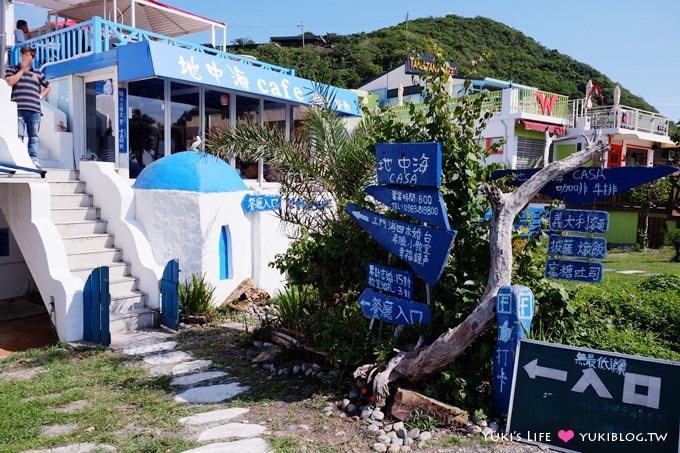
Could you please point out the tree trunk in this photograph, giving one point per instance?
(429, 360)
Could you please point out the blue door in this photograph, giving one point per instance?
(96, 301)
(170, 295)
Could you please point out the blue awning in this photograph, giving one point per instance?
(154, 59)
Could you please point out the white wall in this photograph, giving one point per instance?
(55, 146)
(15, 278)
(12, 150)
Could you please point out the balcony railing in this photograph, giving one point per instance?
(520, 100)
(99, 35)
(622, 117)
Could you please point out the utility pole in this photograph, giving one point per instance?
(302, 28)
(406, 20)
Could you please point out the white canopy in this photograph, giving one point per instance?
(148, 15)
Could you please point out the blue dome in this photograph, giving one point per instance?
(191, 171)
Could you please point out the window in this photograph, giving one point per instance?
(529, 151)
(225, 253)
(4, 241)
(146, 119)
(186, 120)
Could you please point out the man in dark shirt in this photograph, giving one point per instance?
(29, 87)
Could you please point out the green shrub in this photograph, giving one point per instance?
(296, 304)
(674, 239)
(196, 296)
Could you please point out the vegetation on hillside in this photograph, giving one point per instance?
(352, 59)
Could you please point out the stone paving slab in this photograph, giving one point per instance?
(192, 379)
(221, 415)
(58, 430)
(210, 393)
(180, 368)
(124, 340)
(168, 358)
(231, 430)
(86, 447)
(254, 445)
(150, 348)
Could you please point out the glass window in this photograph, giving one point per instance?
(247, 110)
(275, 115)
(186, 121)
(298, 118)
(146, 121)
(100, 113)
(60, 96)
(216, 111)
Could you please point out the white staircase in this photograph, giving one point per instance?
(89, 246)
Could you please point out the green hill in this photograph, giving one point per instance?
(348, 60)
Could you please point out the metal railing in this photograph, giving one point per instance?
(492, 102)
(540, 103)
(99, 35)
(623, 117)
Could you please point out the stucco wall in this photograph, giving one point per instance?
(15, 278)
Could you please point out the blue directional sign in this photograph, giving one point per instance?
(588, 184)
(409, 164)
(394, 310)
(574, 270)
(422, 203)
(577, 247)
(514, 310)
(390, 280)
(122, 120)
(261, 202)
(579, 221)
(425, 249)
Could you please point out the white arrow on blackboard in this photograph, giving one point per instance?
(534, 370)
(360, 216)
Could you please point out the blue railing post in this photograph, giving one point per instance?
(96, 34)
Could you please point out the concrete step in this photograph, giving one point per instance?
(62, 175)
(122, 285)
(122, 303)
(94, 258)
(72, 200)
(117, 271)
(132, 320)
(60, 215)
(67, 187)
(82, 227)
(82, 243)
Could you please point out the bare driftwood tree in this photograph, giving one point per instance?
(427, 361)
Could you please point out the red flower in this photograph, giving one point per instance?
(363, 391)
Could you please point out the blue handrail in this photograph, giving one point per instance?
(99, 35)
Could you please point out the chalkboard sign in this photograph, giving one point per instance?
(424, 249)
(588, 184)
(395, 310)
(390, 280)
(574, 270)
(579, 221)
(590, 401)
(421, 203)
(409, 164)
(577, 246)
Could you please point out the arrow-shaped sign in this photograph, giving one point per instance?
(424, 249)
(421, 203)
(395, 310)
(588, 184)
(534, 370)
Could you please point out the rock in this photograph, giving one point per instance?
(392, 435)
(405, 448)
(150, 348)
(380, 432)
(483, 423)
(258, 344)
(168, 358)
(305, 427)
(180, 368)
(398, 425)
(316, 367)
(58, 430)
(266, 356)
(474, 429)
(398, 442)
(267, 344)
(366, 413)
(378, 415)
(401, 433)
(425, 435)
(406, 401)
(195, 378)
(494, 426)
(351, 408)
(394, 448)
(90, 429)
(73, 406)
(388, 428)
(407, 441)
(220, 415)
(86, 447)
(210, 394)
(385, 440)
(373, 428)
(296, 369)
(309, 372)
(379, 446)
(231, 430)
(414, 433)
(486, 432)
(353, 395)
(340, 434)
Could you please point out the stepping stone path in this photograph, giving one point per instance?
(195, 385)
(76, 448)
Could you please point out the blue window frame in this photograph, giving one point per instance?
(225, 253)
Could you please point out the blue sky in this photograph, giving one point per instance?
(635, 43)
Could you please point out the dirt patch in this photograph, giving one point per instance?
(23, 374)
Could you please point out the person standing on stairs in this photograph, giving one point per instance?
(29, 87)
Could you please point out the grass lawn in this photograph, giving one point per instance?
(109, 400)
(652, 261)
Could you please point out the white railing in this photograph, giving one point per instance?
(621, 117)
